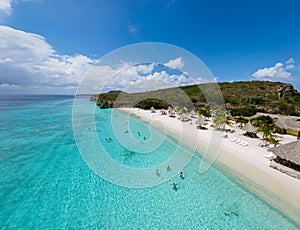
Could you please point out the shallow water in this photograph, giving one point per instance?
(45, 183)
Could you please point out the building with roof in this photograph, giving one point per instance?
(287, 158)
(290, 124)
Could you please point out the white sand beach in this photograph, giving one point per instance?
(247, 164)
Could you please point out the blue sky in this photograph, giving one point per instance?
(46, 46)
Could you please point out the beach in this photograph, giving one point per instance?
(246, 164)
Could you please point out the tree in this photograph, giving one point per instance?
(274, 141)
(205, 112)
(241, 120)
(267, 134)
(266, 125)
(221, 118)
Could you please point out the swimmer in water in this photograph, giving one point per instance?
(181, 174)
(168, 168)
(157, 172)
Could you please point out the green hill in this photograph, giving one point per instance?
(241, 98)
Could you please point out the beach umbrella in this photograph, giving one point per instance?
(163, 112)
(249, 128)
(185, 109)
(183, 117)
(152, 110)
(172, 113)
(200, 120)
(193, 113)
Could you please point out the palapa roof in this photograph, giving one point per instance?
(289, 151)
(285, 122)
(249, 128)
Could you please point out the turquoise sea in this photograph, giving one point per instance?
(45, 184)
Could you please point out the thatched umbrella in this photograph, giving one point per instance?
(200, 120)
(152, 110)
(193, 113)
(185, 110)
(249, 128)
(172, 113)
(163, 112)
(183, 117)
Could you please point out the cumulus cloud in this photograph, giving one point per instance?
(5, 6)
(276, 72)
(131, 80)
(290, 63)
(27, 60)
(176, 63)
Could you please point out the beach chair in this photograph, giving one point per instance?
(245, 144)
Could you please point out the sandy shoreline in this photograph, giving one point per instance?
(246, 164)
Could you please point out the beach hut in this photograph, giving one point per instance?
(287, 158)
(291, 124)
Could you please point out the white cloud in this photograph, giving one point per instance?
(277, 72)
(176, 63)
(290, 61)
(27, 60)
(8, 86)
(132, 28)
(130, 80)
(5, 6)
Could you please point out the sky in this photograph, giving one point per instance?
(51, 46)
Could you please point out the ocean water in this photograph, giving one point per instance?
(45, 184)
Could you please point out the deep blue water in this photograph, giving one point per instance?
(45, 184)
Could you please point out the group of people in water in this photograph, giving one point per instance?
(174, 185)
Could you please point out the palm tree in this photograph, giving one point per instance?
(241, 120)
(221, 118)
(267, 134)
(204, 111)
(274, 141)
(266, 126)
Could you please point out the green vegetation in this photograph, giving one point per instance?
(242, 98)
(266, 125)
(221, 118)
(152, 102)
